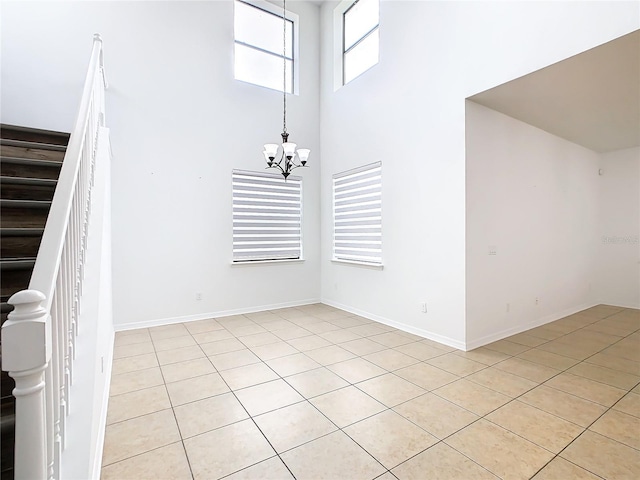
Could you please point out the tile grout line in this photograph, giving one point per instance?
(253, 419)
(175, 418)
(295, 403)
(342, 429)
(243, 407)
(587, 429)
(168, 396)
(515, 398)
(565, 371)
(307, 400)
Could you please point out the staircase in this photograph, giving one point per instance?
(30, 162)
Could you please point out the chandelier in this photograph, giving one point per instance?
(285, 158)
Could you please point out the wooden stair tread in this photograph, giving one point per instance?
(23, 213)
(18, 132)
(27, 181)
(27, 188)
(18, 245)
(21, 232)
(16, 263)
(15, 279)
(56, 154)
(11, 166)
(32, 161)
(10, 203)
(9, 142)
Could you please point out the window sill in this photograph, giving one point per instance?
(372, 266)
(262, 262)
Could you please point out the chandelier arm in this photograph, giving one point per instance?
(276, 165)
(289, 166)
(296, 165)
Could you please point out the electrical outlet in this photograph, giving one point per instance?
(423, 306)
(198, 296)
(493, 250)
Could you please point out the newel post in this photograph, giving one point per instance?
(26, 351)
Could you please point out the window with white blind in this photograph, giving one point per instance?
(357, 215)
(267, 217)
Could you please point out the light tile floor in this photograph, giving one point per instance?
(317, 393)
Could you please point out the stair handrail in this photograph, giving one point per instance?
(38, 339)
(49, 256)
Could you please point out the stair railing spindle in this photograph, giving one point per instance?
(76, 263)
(81, 225)
(72, 284)
(56, 444)
(66, 324)
(61, 293)
(48, 378)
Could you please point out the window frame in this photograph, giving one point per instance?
(339, 38)
(272, 176)
(295, 47)
(364, 169)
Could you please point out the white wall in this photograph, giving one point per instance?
(179, 124)
(533, 198)
(618, 248)
(409, 112)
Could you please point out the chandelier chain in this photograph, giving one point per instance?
(284, 66)
(285, 158)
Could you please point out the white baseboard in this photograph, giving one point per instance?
(621, 304)
(494, 337)
(204, 316)
(400, 326)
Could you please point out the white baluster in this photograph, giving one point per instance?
(56, 390)
(66, 325)
(81, 218)
(74, 279)
(78, 252)
(26, 351)
(48, 378)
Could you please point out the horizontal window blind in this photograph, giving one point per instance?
(267, 216)
(357, 214)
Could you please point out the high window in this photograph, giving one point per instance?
(267, 215)
(259, 55)
(360, 38)
(357, 215)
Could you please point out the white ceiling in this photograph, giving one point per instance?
(592, 99)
